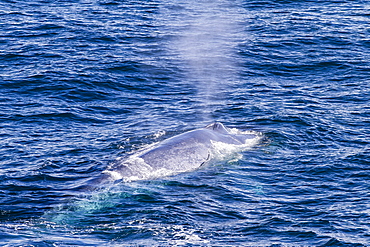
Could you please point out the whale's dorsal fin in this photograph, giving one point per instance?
(219, 127)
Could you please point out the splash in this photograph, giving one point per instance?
(139, 169)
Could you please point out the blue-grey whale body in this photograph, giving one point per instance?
(181, 153)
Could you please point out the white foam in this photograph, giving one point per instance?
(140, 170)
(236, 131)
(222, 151)
(114, 175)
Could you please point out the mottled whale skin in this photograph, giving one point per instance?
(181, 153)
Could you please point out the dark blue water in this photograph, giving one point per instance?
(85, 82)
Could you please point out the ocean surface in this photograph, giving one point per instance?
(85, 82)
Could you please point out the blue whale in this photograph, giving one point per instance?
(181, 153)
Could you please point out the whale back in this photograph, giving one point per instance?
(185, 152)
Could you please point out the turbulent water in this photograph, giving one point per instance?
(85, 82)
